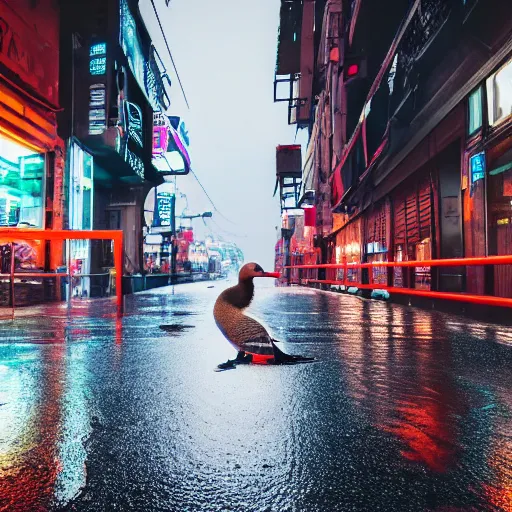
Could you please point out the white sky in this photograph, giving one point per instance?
(225, 53)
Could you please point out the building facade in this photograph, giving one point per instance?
(418, 124)
(32, 155)
(112, 87)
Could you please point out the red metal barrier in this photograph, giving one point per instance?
(454, 262)
(116, 236)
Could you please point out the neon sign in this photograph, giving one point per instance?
(163, 209)
(98, 49)
(98, 59)
(97, 109)
(134, 122)
(142, 69)
(477, 165)
(135, 163)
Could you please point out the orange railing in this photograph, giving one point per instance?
(351, 277)
(12, 235)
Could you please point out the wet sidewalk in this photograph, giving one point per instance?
(406, 409)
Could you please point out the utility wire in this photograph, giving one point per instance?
(169, 51)
(210, 199)
(230, 233)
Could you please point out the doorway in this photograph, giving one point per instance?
(451, 242)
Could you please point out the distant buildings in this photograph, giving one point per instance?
(408, 105)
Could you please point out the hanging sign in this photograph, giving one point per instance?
(97, 91)
(163, 209)
(477, 166)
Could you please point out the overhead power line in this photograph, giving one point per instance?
(225, 231)
(210, 199)
(169, 51)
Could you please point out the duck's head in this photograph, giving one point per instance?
(251, 270)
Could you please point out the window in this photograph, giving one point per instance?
(475, 111)
(499, 94)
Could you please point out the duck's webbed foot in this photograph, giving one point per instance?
(230, 364)
(243, 358)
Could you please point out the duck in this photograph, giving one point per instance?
(248, 336)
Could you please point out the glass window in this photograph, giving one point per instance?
(21, 185)
(475, 111)
(499, 94)
(81, 190)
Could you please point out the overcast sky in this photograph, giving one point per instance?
(225, 53)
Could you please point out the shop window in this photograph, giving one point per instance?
(475, 111)
(21, 185)
(423, 274)
(398, 272)
(499, 94)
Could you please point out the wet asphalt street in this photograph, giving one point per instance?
(406, 409)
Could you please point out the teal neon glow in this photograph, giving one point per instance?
(98, 66)
(98, 49)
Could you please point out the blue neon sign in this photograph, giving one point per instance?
(477, 166)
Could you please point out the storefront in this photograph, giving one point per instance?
(376, 238)
(81, 208)
(348, 249)
(22, 192)
(22, 184)
(31, 153)
(487, 181)
(412, 230)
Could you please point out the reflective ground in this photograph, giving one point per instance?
(406, 409)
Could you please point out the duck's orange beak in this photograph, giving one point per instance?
(276, 275)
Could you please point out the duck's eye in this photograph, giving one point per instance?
(257, 268)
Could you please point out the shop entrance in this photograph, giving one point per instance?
(81, 211)
(22, 184)
(500, 214)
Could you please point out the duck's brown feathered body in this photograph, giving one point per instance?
(247, 335)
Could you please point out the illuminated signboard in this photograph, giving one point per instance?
(131, 136)
(170, 145)
(135, 163)
(163, 209)
(98, 49)
(97, 91)
(160, 134)
(97, 109)
(134, 122)
(160, 140)
(98, 59)
(142, 70)
(477, 166)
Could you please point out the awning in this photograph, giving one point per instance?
(113, 167)
(502, 164)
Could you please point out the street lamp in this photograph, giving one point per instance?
(197, 215)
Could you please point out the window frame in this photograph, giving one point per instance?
(483, 107)
(497, 123)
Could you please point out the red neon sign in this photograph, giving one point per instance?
(353, 70)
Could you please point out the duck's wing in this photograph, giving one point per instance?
(262, 346)
(249, 335)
